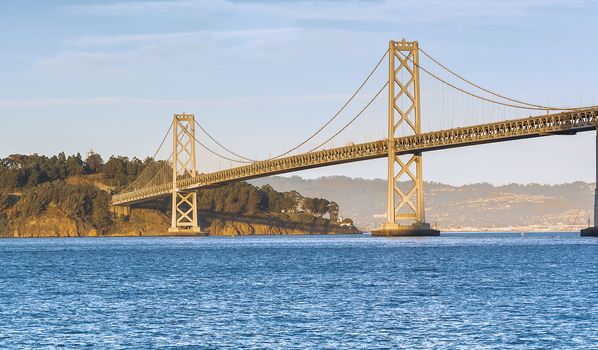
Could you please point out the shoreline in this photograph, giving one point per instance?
(186, 235)
(364, 233)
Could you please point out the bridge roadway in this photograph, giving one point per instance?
(564, 123)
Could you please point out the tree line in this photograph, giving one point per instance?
(246, 199)
(23, 171)
(40, 181)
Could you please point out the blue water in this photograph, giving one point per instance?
(467, 291)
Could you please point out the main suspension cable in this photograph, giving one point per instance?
(153, 157)
(163, 166)
(221, 145)
(317, 131)
(480, 87)
(470, 93)
(352, 120)
(218, 154)
(526, 105)
(492, 92)
(311, 150)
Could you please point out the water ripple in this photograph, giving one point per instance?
(463, 291)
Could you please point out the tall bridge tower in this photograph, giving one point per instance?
(405, 208)
(184, 203)
(592, 231)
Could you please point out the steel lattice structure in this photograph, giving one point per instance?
(404, 105)
(403, 148)
(569, 122)
(184, 201)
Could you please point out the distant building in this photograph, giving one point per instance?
(347, 222)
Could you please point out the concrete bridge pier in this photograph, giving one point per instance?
(593, 231)
(418, 229)
(121, 210)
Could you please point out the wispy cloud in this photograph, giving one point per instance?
(71, 57)
(218, 102)
(290, 21)
(412, 11)
(261, 34)
(114, 52)
(131, 7)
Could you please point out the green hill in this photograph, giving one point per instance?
(69, 196)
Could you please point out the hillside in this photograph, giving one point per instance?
(69, 196)
(63, 195)
(471, 207)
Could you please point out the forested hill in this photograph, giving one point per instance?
(60, 195)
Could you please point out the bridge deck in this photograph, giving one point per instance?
(559, 123)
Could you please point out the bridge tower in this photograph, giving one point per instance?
(184, 203)
(593, 230)
(405, 208)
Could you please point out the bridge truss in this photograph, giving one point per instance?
(403, 147)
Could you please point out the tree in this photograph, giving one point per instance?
(84, 202)
(4, 220)
(8, 178)
(321, 206)
(74, 165)
(316, 206)
(333, 210)
(101, 216)
(94, 162)
(33, 178)
(116, 168)
(257, 201)
(133, 169)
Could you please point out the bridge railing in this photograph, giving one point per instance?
(571, 121)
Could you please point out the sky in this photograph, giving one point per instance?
(263, 75)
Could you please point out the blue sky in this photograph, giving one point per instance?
(262, 75)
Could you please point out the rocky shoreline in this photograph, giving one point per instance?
(153, 223)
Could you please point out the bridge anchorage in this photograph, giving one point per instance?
(400, 140)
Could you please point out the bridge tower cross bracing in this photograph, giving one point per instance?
(184, 203)
(405, 207)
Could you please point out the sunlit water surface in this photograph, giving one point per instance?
(461, 290)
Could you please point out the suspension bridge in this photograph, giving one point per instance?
(414, 106)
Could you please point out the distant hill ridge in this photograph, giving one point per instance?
(475, 206)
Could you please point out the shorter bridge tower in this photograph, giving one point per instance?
(184, 203)
(405, 208)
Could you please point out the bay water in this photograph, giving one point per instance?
(460, 290)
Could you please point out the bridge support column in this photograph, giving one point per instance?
(184, 203)
(593, 231)
(121, 210)
(405, 207)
